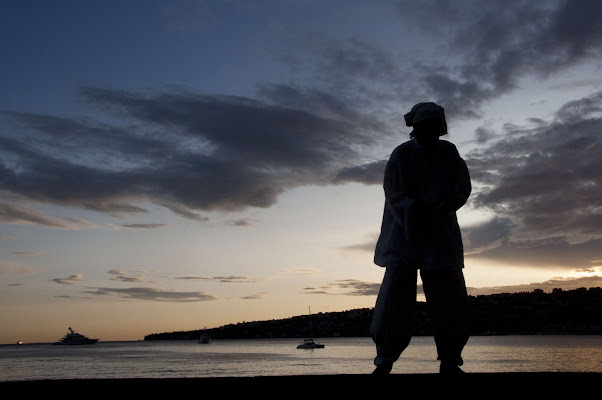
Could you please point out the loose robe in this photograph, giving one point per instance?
(424, 187)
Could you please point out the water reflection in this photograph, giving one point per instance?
(281, 357)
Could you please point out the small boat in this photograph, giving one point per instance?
(19, 342)
(204, 338)
(74, 338)
(309, 343)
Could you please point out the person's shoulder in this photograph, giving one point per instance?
(447, 143)
(403, 147)
(448, 146)
(401, 152)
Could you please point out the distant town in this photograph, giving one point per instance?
(575, 312)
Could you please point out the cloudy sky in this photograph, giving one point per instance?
(177, 165)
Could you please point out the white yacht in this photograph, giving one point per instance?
(310, 344)
(73, 338)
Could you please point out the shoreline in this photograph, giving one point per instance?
(195, 340)
(323, 386)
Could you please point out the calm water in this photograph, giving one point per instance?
(182, 359)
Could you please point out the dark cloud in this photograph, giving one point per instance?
(70, 280)
(241, 222)
(181, 150)
(357, 288)
(489, 46)
(354, 287)
(547, 286)
(329, 102)
(254, 296)
(152, 294)
(546, 178)
(370, 173)
(183, 211)
(543, 184)
(124, 276)
(365, 246)
(483, 134)
(547, 253)
(300, 271)
(487, 235)
(142, 226)
(348, 287)
(17, 214)
(223, 279)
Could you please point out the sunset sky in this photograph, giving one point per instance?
(175, 165)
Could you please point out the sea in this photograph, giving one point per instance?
(275, 357)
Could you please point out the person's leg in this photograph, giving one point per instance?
(446, 297)
(394, 316)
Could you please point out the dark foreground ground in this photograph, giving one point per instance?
(483, 386)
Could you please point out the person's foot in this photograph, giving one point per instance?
(449, 369)
(383, 369)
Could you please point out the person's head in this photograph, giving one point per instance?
(427, 119)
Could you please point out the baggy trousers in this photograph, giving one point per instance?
(395, 312)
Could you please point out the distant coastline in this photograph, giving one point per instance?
(576, 312)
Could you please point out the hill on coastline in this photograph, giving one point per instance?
(577, 311)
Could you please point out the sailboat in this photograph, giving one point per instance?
(309, 343)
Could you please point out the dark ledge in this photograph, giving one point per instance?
(478, 385)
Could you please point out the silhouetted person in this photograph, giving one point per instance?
(425, 183)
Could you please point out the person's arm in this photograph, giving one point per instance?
(462, 186)
(457, 195)
(396, 198)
